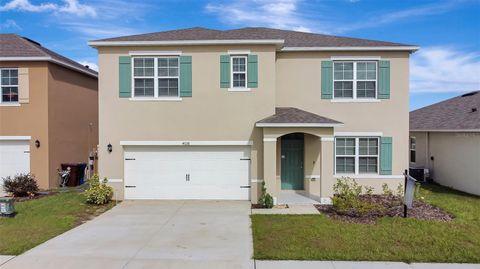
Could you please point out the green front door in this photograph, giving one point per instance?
(292, 162)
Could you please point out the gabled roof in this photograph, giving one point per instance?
(460, 113)
(16, 48)
(294, 117)
(289, 40)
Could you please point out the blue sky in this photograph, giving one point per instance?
(448, 31)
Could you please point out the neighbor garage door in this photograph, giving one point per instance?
(14, 158)
(187, 172)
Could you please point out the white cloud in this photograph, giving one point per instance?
(9, 24)
(443, 69)
(69, 7)
(282, 14)
(98, 29)
(91, 65)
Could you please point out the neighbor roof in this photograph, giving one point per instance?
(16, 48)
(456, 114)
(290, 40)
(291, 116)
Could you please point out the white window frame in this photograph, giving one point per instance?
(1, 86)
(155, 77)
(357, 155)
(413, 148)
(245, 88)
(355, 80)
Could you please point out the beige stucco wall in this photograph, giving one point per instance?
(53, 115)
(212, 114)
(456, 159)
(73, 118)
(31, 119)
(298, 83)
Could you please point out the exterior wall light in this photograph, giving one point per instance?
(37, 143)
(109, 148)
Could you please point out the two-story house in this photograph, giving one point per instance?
(48, 110)
(209, 114)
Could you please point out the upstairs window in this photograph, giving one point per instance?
(156, 77)
(239, 71)
(9, 85)
(355, 79)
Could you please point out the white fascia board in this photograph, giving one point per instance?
(447, 130)
(15, 137)
(186, 143)
(238, 52)
(358, 133)
(48, 59)
(378, 48)
(299, 124)
(187, 42)
(155, 53)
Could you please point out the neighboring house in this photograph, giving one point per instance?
(445, 138)
(48, 110)
(208, 114)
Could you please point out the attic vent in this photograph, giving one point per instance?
(474, 109)
(469, 94)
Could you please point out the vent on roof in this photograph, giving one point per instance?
(474, 109)
(469, 94)
(33, 41)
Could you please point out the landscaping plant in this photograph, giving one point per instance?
(21, 185)
(265, 200)
(347, 199)
(98, 193)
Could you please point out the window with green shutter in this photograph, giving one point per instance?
(386, 158)
(327, 80)
(384, 80)
(125, 76)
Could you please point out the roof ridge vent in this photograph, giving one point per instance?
(32, 41)
(469, 94)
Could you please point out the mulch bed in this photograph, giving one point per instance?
(392, 207)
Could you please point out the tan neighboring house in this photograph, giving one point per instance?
(445, 138)
(209, 114)
(48, 110)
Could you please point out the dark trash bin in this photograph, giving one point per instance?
(74, 178)
(81, 170)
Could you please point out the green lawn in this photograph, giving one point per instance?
(316, 237)
(41, 219)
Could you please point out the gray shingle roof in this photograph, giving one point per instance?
(12, 45)
(458, 113)
(295, 115)
(292, 38)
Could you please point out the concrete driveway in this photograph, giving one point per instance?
(152, 234)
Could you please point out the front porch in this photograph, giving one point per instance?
(298, 156)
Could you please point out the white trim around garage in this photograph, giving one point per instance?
(187, 143)
(15, 138)
(259, 124)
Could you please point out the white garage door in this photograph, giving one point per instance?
(187, 172)
(14, 159)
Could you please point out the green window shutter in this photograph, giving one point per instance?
(185, 76)
(384, 80)
(327, 79)
(252, 70)
(224, 71)
(386, 152)
(125, 76)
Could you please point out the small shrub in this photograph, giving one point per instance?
(400, 190)
(265, 200)
(98, 193)
(368, 190)
(347, 198)
(21, 185)
(386, 190)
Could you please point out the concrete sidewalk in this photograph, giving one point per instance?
(358, 265)
(5, 258)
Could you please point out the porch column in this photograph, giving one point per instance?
(326, 172)
(270, 165)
